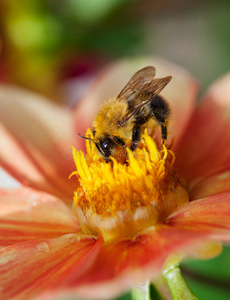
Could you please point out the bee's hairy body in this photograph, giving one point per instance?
(121, 121)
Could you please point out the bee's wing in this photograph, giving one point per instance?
(139, 81)
(140, 90)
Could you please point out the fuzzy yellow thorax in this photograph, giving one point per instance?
(118, 200)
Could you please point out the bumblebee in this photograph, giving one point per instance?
(121, 121)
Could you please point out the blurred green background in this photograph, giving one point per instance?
(46, 43)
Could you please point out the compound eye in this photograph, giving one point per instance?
(106, 147)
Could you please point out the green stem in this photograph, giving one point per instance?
(177, 284)
(141, 292)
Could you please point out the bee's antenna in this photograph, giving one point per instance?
(86, 138)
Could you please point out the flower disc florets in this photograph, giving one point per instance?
(118, 200)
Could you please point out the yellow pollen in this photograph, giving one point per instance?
(118, 200)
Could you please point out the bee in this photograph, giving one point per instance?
(121, 121)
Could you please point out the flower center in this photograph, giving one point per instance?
(118, 200)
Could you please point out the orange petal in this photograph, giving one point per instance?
(205, 146)
(180, 93)
(122, 264)
(214, 184)
(36, 139)
(26, 269)
(211, 213)
(26, 214)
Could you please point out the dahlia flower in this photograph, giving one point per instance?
(129, 223)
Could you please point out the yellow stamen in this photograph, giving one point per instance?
(117, 199)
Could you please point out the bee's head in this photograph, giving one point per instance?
(109, 146)
(112, 146)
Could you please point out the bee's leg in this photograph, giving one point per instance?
(161, 112)
(135, 137)
(163, 132)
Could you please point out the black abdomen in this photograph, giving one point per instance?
(160, 109)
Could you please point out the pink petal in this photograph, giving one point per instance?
(122, 264)
(211, 213)
(36, 139)
(180, 92)
(214, 184)
(26, 269)
(205, 146)
(26, 214)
